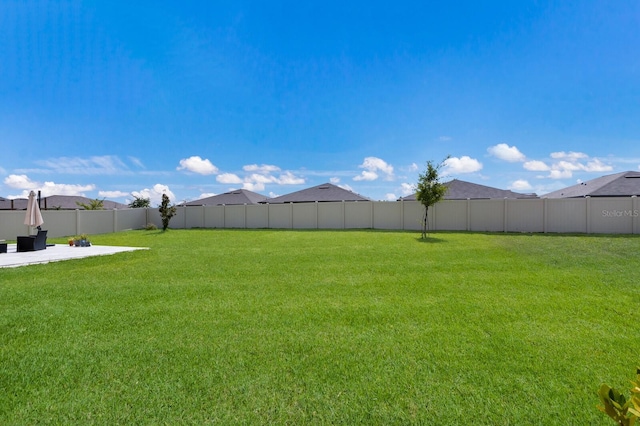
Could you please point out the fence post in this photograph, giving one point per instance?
(468, 214)
(316, 214)
(435, 217)
(505, 212)
(635, 212)
(402, 214)
(115, 220)
(544, 215)
(78, 222)
(588, 208)
(224, 216)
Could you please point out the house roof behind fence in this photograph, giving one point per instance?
(623, 184)
(322, 193)
(462, 190)
(238, 196)
(17, 204)
(69, 202)
(54, 202)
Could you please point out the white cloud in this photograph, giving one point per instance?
(288, 178)
(536, 166)
(47, 188)
(113, 194)
(334, 180)
(366, 175)
(373, 165)
(390, 197)
(464, 164)
(261, 176)
(136, 161)
(347, 187)
(229, 178)
(572, 156)
(445, 138)
(560, 174)
(408, 188)
(52, 188)
(20, 182)
(96, 165)
(507, 153)
(413, 167)
(206, 195)
(258, 178)
(596, 165)
(264, 168)
(251, 186)
(520, 185)
(197, 165)
(155, 194)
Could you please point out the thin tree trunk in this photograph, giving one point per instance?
(425, 222)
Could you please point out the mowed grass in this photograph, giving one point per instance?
(322, 327)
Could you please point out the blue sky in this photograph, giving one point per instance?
(193, 98)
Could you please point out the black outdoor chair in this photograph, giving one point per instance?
(33, 242)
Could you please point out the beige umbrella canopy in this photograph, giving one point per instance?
(33, 217)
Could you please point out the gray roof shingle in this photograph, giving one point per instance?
(462, 190)
(322, 193)
(236, 197)
(64, 202)
(623, 184)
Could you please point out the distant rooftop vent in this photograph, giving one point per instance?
(323, 187)
(633, 175)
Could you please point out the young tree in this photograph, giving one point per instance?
(166, 211)
(93, 204)
(140, 203)
(430, 190)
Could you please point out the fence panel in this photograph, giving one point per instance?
(257, 216)
(611, 215)
(214, 217)
(280, 216)
(234, 217)
(305, 215)
(486, 215)
(358, 214)
(194, 216)
(450, 215)
(95, 221)
(525, 215)
(387, 215)
(131, 219)
(412, 212)
(566, 215)
(331, 215)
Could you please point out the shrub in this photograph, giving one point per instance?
(166, 211)
(615, 405)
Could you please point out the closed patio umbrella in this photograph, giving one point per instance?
(34, 216)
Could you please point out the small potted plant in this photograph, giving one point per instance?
(84, 240)
(72, 241)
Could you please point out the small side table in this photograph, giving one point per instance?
(3, 246)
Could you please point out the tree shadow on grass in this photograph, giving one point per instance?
(430, 240)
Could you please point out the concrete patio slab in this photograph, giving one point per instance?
(56, 253)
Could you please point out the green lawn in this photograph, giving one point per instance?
(322, 327)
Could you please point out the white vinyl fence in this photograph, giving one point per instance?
(573, 215)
